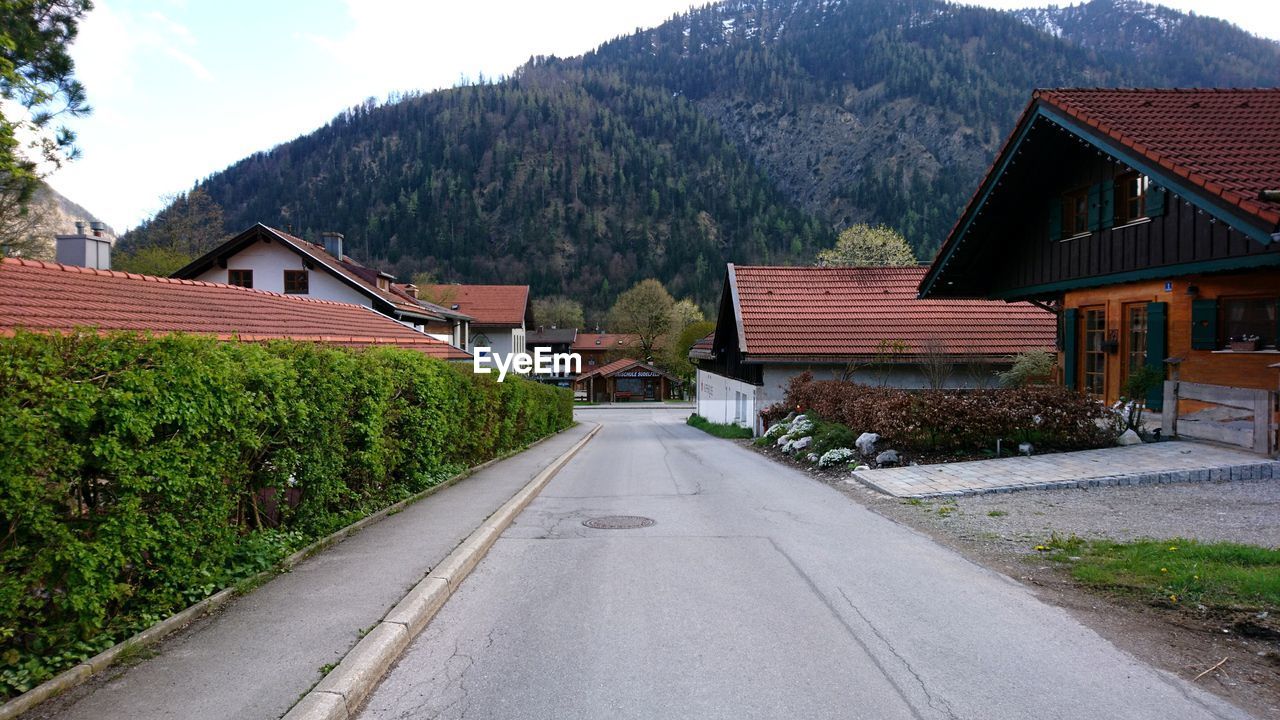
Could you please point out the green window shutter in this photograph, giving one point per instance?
(1204, 324)
(1055, 218)
(1277, 329)
(1157, 347)
(1155, 201)
(1095, 207)
(1070, 341)
(1108, 203)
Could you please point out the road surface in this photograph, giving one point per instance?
(757, 593)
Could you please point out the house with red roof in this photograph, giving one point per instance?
(500, 314)
(599, 348)
(265, 258)
(50, 297)
(1149, 220)
(625, 379)
(858, 323)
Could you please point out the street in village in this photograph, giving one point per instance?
(755, 592)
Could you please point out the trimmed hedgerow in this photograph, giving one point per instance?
(142, 474)
(955, 420)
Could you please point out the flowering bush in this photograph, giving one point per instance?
(801, 426)
(777, 430)
(838, 456)
(948, 420)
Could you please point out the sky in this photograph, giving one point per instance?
(184, 88)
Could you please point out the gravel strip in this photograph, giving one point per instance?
(1243, 512)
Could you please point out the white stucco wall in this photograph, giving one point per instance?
(502, 341)
(268, 261)
(911, 377)
(728, 401)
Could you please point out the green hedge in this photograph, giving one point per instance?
(139, 475)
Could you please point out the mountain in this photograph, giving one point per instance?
(747, 131)
(50, 213)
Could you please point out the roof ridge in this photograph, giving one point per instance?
(46, 265)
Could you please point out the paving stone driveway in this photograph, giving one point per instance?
(1164, 462)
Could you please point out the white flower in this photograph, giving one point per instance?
(800, 426)
(835, 456)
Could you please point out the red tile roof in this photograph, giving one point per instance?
(604, 341)
(704, 348)
(488, 305)
(850, 311)
(620, 365)
(1225, 141)
(42, 296)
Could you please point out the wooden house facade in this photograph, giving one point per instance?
(1149, 220)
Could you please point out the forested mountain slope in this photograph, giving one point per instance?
(744, 131)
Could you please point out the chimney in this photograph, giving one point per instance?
(333, 243)
(411, 290)
(91, 251)
(97, 228)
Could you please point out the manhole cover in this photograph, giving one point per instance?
(618, 522)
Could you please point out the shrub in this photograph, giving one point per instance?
(140, 475)
(949, 420)
(830, 435)
(721, 430)
(1033, 367)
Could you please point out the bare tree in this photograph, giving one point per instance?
(936, 363)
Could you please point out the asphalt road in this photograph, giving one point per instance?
(758, 593)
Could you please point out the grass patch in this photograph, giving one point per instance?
(720, 430)
(1176, 572)
(997, 513)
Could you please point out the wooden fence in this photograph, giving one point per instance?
(1258, 433)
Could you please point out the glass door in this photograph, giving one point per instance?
(1093, 363)
(1135, 338)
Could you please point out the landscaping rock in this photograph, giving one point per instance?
(784, 440)
(802, 443)
(1129, 437)
(888, 457)
(812, 457)
(866, 443)
(862, 467)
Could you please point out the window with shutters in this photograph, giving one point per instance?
(1248, 317)
(1075, 213)
(1131, 197)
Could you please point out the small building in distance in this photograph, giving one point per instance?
(856, 323)
(625, 380)
(599, 348)
(1150, 219)
(500, 314)
(557, 341)
(264, 258)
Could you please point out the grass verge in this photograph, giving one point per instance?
(720, 430)
(1177, 572)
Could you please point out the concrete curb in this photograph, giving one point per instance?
(340, 693)
(78, 674)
